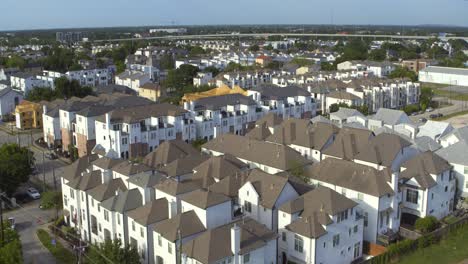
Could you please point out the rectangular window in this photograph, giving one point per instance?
(72, 194)
(412, 196)
(133, 225)
(283, 236)
(356, 228)
(357, 250)
(142, 232)
(248, 206)
(159, 240)
(169, 247)
(366, 219)
(106, 215)
(336, 240)
(360, 196)
(118, 220)
(298, 244)
(246, 258)
(466, 170)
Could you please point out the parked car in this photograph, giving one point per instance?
(33, 193)
(423, 120)
(429, 109)
(440, 115)
(51, 155)
(432, 116)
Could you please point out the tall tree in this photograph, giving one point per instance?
(113, 251)
(15, 167)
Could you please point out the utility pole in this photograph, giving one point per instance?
(43, 172)
(1, 222)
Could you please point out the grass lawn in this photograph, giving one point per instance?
(62, 254)
(451, 115)
(451, 95)
(449, 251)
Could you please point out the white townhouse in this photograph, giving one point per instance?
(25, 82)
(202, 78)
(115, 211)
(342, 97)
(213, 209)
(9, 99)
(455, 136)
(100, 226)
(262, 194)
(172, 234)
(396, 120)
(216, 115)
(51, 124)
(370, 68)
(132, 79)
(141, 222)
(321, 226)
(347, 115)
(242, 242)
(427, 186)
(269, 157)
(173, 191)
(455, 154)
(290, 101)
(91, 77)
(306, 138)
(136, 131)
(376, 192)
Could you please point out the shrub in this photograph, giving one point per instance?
(426, 224)
(57, 250)
(51, 200)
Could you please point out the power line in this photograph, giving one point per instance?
(56, 228)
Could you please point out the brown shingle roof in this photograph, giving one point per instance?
(152, 212)
(350, 175)
(310, 226)
(182, 166)
(187, 223)
(217, 168)
(129, 168)
(204, 199)
(270, 154)
(169, 151)
(76, 168)
(421, 166)
(107, 190)
(349, 142)
(174, 188)
(382, 149)
(215, 244)
(270, 120)
(86, 182)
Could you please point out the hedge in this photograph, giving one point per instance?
(58, 251)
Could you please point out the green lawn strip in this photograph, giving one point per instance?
(451, 115)
(451, 250)
(451, 95)
(62, 254)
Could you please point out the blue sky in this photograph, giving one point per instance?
(37, 14)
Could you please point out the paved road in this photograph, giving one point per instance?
(27, 225)
(457, 106)
(45, 167)
(264, 35)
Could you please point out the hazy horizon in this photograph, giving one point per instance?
(54, 14)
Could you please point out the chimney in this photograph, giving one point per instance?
(44, 109)
(235, 242)
(172, 209)
(117, 192)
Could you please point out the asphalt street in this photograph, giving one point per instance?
(28, 220)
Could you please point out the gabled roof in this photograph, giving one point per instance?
(421, 166)
(270, 154)
(204, 199)
(270, 120)
(269, 187)
(426, 144)
(349, 142)
(137, 113)
(382, 149)
(434, 129)
(391, 117)
(455, 153)
(274, 92)
(460, 133)
(106, 163)
(186, 223)
(228, 186)
(220, 101)
(217, 168)
(343, 95)
(123, 201)
(78, 166)
(215, 244)
(344, 113)
(145, 180)
(107, 190)
(320, 199)
(174, 188)
(310, 226)
(260, 132)
(169, 151)
(182, 166)
(129, 168)
(86, 182)
(151, 213)
(351, 175)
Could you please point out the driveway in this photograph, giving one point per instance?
(27, 224)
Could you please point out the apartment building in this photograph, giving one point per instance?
(136, 131)
(320, 226)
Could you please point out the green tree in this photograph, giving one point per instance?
(254, 48)
(51, 200)
(335, 107)
(15, 62)
(115, 252)
(327, 66)
(378, 55)
(403, 72)
(15, 167)
(11, 251)
(426, 224)
(214, 71)
(166, 62)
(302, 61)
